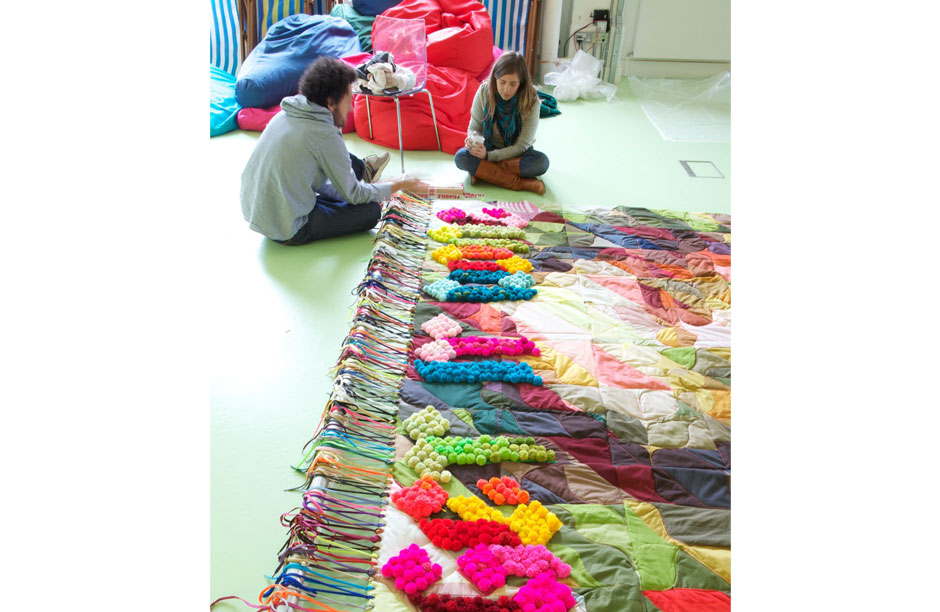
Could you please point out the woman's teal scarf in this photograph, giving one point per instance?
(508, 117)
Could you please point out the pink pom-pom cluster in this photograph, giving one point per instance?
(496, 213)
(490, 345)
(441, 326)
(481, 567)
(438, 350)
(421, 500)
(530, 561)
(475, 217)
(544, 594)
(451, 215)
(412, 570)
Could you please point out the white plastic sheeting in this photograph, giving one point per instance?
(579, 79)
(687, 110)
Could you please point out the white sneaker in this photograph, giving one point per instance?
(374, 166)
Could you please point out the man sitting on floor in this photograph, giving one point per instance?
(301, 184)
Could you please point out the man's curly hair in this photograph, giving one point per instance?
(327, 80)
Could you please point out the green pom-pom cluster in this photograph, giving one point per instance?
(426, 461)
(490, 231)
(432, 454)
(424, 423)
(513, 245)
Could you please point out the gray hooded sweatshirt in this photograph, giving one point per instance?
(300, 154)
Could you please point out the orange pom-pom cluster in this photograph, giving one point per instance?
(479, 251)
(503, 491)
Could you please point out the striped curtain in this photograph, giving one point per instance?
(509, 19)
(272, 11)
(223, 36)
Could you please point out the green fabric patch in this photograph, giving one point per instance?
(601, 524)
(655, 557)
(361, 24)
(463, 395)
(693, 575)
(463, 415)
(578, 572)
(684, 356)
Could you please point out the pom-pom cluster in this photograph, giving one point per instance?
(515, 264)
(544, 594)
(447, 253)
(484, 293)
(451, 215)
(474, 264)
(478, 251)
(485, 449)
(486, 346)
(490, 231)
(434, 602)
(533, 522)
(473, 508)
(421, 500)
(520, 280)
(454, 535)
(496, 212)
(477, 371)
(478, 219)
(481, 567)
(436, 350)
(514, 221)
(426, 422)
(412, 570)
(480, 277)
(513, 245)
(441, 326)
(426, 461)
(503, 491)
(440, 288)
(529, 561)
(447, 233)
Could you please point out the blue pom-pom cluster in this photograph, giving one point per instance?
(482, 293)
(481, 277)
(440, 289)
(519, 279)
(477, 371)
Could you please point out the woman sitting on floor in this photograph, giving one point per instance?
(503, 121)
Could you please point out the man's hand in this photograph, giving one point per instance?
(411, 185)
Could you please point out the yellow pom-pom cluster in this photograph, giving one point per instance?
(447, 233)
(473, 508)
(534, 523)
(515, 264)
(447, 253)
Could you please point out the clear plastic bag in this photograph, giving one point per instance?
(579, 79)
(687, 110)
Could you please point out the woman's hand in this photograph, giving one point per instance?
(478, 150)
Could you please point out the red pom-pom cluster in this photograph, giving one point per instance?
(422, 499)
(445, 603)
(544, 594)
(449, 534)
(492, 345)
(482, 569)
(474, 264)
(412, 570)
(503, 491)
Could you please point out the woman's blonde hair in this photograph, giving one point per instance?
(511, 62)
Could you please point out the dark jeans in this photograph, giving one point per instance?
(532, 163)
(331, 217)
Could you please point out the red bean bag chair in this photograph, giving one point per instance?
(459, 47)
(460, 33)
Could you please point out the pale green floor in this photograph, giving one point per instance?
(280, 313)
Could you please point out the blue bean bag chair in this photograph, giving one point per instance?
(273, 69)
(373, 7)
(223, 109)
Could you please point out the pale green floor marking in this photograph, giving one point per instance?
(280, 313)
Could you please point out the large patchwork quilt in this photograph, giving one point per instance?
(590, 471)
